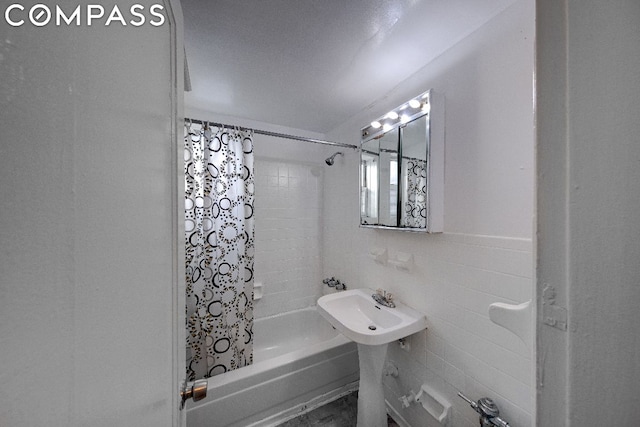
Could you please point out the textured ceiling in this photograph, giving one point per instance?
(312, 64)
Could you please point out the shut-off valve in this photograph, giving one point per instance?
(488, 410)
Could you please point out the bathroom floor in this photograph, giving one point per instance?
(339, 413)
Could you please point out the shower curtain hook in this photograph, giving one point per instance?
(189, 126)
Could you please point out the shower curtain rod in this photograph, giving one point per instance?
(276, 134)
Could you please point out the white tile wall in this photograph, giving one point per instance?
(288, 209)
(462, 350)
(461, 345)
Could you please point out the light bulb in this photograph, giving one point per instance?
(404, 119)
(376, 124)
(414, 103)
(392, 115)
(386, 127)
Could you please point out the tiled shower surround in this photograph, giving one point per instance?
(288, 208)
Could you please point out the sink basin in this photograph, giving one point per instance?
(358, 317)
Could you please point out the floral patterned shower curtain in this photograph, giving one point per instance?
(219, 232)
(415, 193)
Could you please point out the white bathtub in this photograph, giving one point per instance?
(299, 361)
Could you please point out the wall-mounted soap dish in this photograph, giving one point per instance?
(402, 261)
(379, 255)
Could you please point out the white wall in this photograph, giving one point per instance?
(589, 181)
(88, 265)
(485, 254)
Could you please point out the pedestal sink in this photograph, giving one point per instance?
(372, 326)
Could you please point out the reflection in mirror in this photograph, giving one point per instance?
(414, 174)
(402, 167)
(388, 178)
(369, 160)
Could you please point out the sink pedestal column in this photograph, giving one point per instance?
(371, 407)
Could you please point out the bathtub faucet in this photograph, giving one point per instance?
(488, 410)
(383, 297)
(335, 283)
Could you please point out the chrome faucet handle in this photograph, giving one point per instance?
(384, 298)
(488, 407)
(469, 401)
(334, 283)
(488, 410)
(499, 422)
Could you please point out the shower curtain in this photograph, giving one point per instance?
(219, 232)
(415, 193)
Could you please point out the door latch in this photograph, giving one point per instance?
(196, 390)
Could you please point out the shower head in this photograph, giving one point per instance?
(330, 160)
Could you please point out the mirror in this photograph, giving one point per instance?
(388, 179)
(402, 167)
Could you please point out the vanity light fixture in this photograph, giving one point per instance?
(400, 116)
(414, 103)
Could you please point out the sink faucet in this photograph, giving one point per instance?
(383, 297)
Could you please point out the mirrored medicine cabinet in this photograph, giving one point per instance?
(402, 167)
